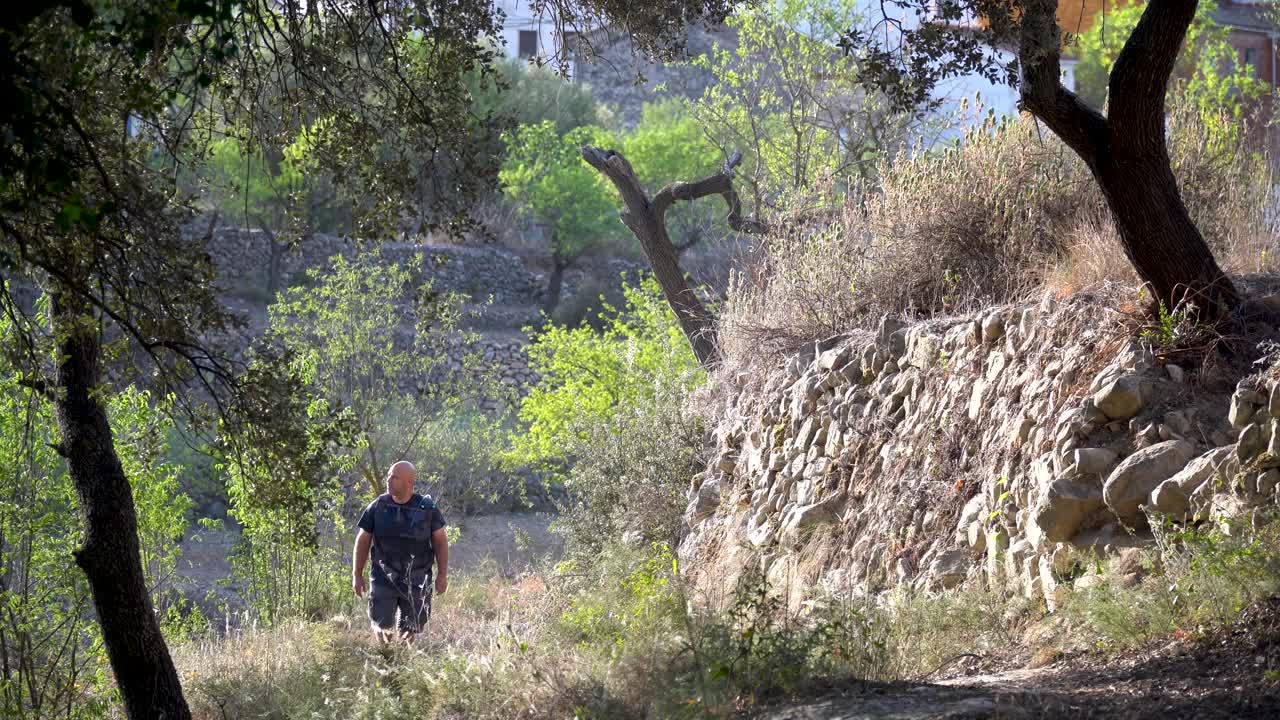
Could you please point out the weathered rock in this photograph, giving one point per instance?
(1093, 461)
(761, 535)
(1267, 481)
(1120, 399)
(704, 503)
(1191, 477)
(1131, 483)
(925, 350)
(1065, 507)
(993, 326)
(950, 568)
(1250, 442)
(805, 517)
(1170, 499)
(1242, 410)
(835, 358)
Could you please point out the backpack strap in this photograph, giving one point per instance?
(426, 503)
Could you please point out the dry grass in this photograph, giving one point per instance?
(1006, 215)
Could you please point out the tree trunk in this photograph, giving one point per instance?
(1159, 238)
(555, 285)
(647, 221)
(1127, 152)
(109, 555)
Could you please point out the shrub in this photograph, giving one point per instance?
(1196, 580)
(997, 217)
(586, 375)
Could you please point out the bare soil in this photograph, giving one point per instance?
(1233, 673)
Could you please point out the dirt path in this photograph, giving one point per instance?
(1234, 673)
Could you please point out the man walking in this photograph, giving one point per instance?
(405, 532)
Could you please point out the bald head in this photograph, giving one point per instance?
(400, 479)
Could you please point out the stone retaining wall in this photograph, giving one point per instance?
(1006, 447)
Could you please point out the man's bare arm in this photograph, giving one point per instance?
(440, 543)
(359, 556)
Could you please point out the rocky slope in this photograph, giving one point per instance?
(1007, 447)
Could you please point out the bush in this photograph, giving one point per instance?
(999, 217)
(1196, 580)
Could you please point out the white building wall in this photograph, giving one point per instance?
(521, 17)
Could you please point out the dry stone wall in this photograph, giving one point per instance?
(1007, 447)
(478, 271)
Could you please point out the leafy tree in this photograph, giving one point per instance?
(1126, 150)
(788, 98)
(371, 337)
(587, 375)
(543, 175)
(283, 196)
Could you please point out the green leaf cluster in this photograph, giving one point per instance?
(544, 175)
(586, 376)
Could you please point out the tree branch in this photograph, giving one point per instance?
(1141, 73)
(1081, 127)
(719, 184)
(645, 220)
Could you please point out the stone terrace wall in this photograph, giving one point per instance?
(243, 256)
(1005, 447)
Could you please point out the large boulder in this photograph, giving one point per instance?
(1064, 508)
(1173, 496)
(949, 569)
(1120, 399)
(1131, 483)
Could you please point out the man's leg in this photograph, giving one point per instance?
(415, 610)
(382, 610)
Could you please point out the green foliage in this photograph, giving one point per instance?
(369, 335)
(1198, 579)
(587, 376)
(1175, 330)
(1207, 72)
(636, 600)
(792, 101)
(54, 655)
(457, 454)
(758, 650)
(279, 190)
(141, 427)
(545, 176)
(533, 94)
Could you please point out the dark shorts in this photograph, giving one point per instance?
(413, 605)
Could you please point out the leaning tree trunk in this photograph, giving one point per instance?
(555, 284)
(647, 221)
(109, 555)
(1127, 152)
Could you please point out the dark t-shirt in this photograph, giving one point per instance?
(401, 537)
